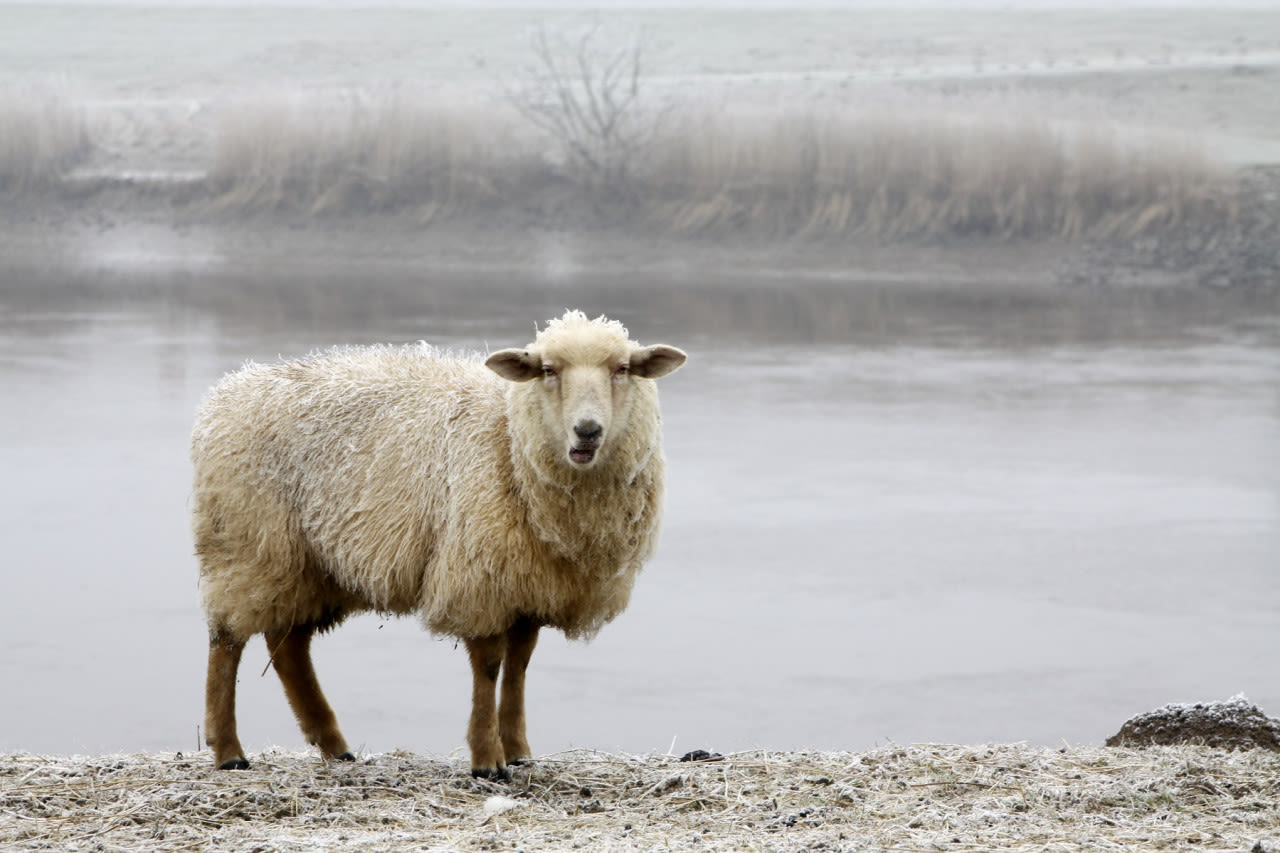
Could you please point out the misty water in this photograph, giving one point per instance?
(893, 514)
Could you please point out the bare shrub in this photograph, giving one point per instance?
(361, 150)
(584, 92)
(43, 134)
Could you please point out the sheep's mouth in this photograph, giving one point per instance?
(583, 454)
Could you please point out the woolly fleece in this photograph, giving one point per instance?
(407, 479)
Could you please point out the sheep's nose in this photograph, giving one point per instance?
(588, 430)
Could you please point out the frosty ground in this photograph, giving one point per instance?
(921, 797)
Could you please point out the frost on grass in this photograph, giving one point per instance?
(927, 797)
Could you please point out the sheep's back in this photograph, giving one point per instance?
(338, 465)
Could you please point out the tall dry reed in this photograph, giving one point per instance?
(893, 173)
(902, 169)
(357, 151)
(43, 134)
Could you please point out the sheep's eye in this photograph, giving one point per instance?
(622, 370)
(548, 371)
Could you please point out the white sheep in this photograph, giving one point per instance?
(406, 480)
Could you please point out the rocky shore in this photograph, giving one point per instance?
(1241, 251)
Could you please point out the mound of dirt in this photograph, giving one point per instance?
(1234, 724)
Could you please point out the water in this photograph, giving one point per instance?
(893, 514)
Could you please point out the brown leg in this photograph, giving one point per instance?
(482, 734)
(521, 639)
(291, 656)
(220, 702)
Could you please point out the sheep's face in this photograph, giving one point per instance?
(585, 374)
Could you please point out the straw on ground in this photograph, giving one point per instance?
(927, 797)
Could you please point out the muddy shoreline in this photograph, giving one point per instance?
(118, 224)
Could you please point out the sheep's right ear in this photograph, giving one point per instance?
(518, 365)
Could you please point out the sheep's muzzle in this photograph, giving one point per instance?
(588, 436)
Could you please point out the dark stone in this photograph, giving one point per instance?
(1234, 724)
(701, 755)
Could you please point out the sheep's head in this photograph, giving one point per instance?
(586, 373)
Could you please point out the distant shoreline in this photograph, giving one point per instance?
(1080, 146)
(122, 227)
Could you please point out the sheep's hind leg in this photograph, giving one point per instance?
(486, 655)
(521, 639)
(291, 656)
(220, 702)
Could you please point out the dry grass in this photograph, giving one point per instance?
(896, 170)
(896, 798)
(356, 151)
(892, 167)
(43, 133)
(931, 169)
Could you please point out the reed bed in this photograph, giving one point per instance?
(888, 171)
(43, 134)
(924, 797)
(891, 168)
(355, 151)
(929, 170)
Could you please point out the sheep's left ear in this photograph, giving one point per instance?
(518, 365)
(657, 360)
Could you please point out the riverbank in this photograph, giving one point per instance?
(114, 226)
(1057, 146)
(922, 797)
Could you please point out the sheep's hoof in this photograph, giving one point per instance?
(346, 756)
(499, 774)
(237, 763)
(518, 762)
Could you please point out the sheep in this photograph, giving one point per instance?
(490, 502)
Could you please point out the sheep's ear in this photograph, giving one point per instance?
(518, 365)
(657, 360)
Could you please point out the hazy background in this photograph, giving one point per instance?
(918, 490)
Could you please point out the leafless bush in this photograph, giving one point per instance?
(43, 134)
(585, 93)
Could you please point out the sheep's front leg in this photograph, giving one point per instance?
(487, 759)
(521, 639)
